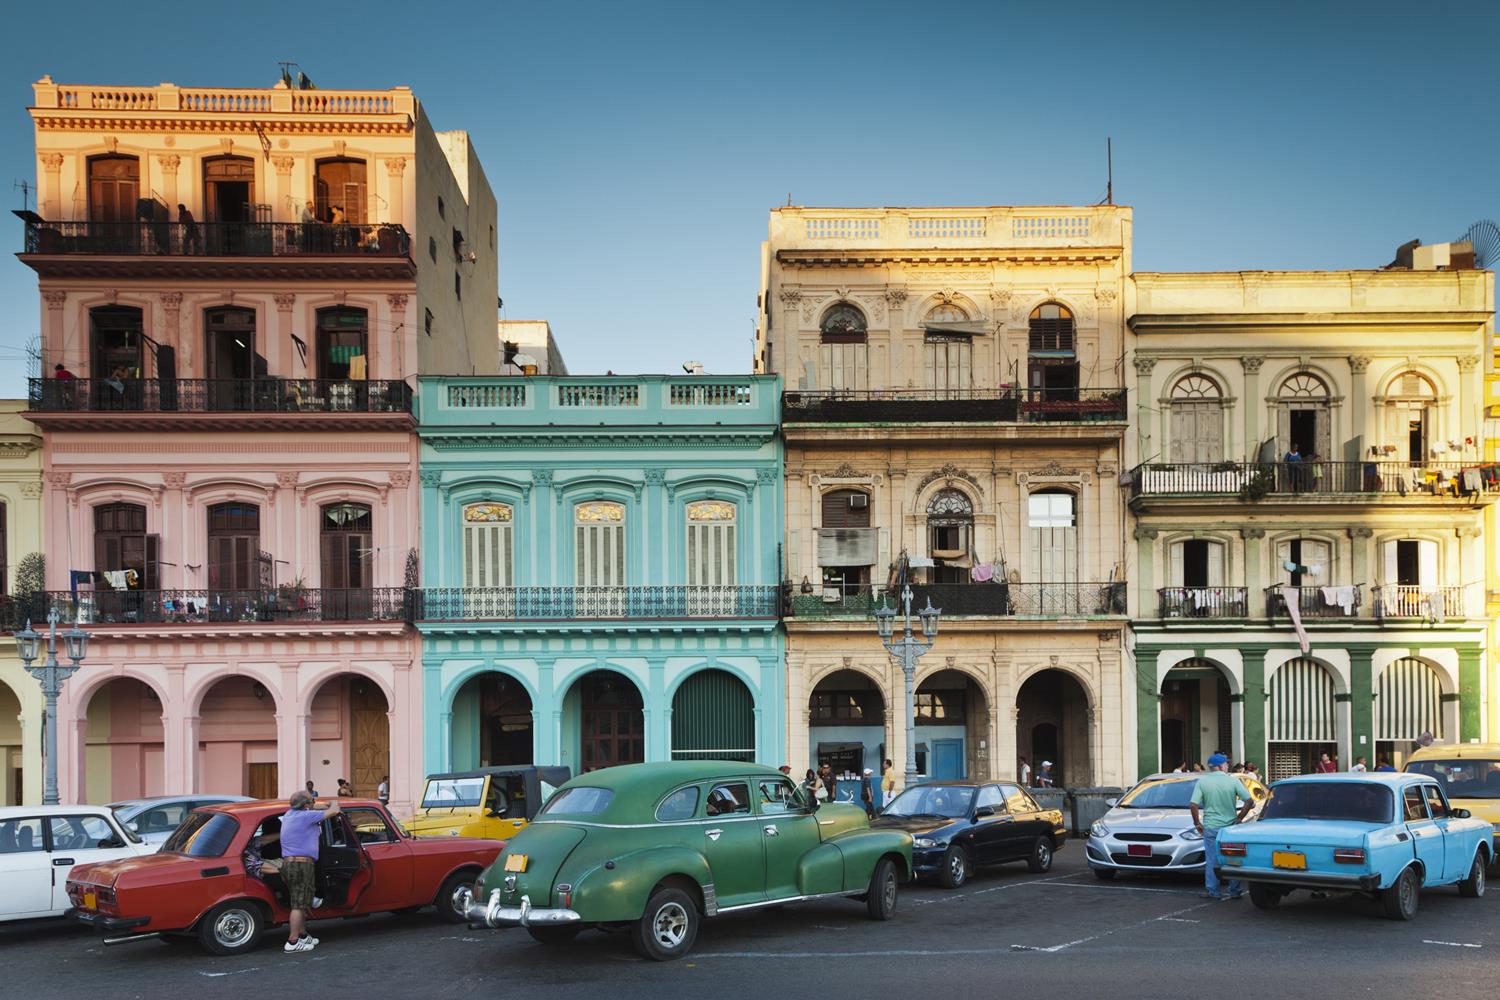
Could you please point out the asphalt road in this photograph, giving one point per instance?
(1008, 932)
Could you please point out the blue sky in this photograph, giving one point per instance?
(636, 148)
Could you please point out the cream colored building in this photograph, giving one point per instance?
(954, 417)
(1308, 442)
(20, 536)
(527, 347)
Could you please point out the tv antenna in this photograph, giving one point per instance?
(1109, 167)
(24, 186)
(1485, 236)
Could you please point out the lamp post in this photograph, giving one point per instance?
(52, 675)
(907, 650)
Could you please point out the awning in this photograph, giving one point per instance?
(966, 329)
(1409, 701)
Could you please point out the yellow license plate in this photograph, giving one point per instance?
(515, 863)
(90, 901)
(1289, 859)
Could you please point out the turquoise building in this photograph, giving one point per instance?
(600, 570)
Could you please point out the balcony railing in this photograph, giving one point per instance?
(259, 395)
(185, 607)
(1404, 601)
(976, 599)
(216, 239)
(522, 604)
(1006, 405)
(1203, 602)
(1316, 602)
(1254, 480)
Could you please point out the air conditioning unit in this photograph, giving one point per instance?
(858, 500)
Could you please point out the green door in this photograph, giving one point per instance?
(788, 837)
(732, 845)
(713, 718)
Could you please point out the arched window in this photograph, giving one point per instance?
(114, 188)
(1410, 408)
(229, 189)
(1052, 520)
(345, 546)
(842, 351)
(488, 545)
(234, 546)
(948, 353)
(1303, 417)
(340, 182)
(1197, 420)
(950, 536)
(1052, 352)
(125, 557)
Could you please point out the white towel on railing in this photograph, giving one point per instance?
(1342, 598)
(1292, 598)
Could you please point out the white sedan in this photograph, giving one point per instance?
(39, 845)
(155, 819)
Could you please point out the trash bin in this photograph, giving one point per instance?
(1086, 805)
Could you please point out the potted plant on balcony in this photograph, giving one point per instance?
(289, 600)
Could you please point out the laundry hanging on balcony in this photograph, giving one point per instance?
(1292, 598)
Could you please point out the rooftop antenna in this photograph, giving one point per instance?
(24, 186)
(1109, 166)
(286, 71)
(789, 199)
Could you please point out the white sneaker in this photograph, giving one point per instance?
(302, 944)
(310, 939)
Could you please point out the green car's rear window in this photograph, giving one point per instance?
(579, 801)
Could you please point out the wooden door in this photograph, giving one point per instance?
(262, 781)
(371, 750)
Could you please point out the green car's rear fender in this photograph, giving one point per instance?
(863, 849)
(604, 895)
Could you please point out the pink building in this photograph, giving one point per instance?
(237, 289)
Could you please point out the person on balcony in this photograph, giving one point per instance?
(1294, 472)
(189, 226)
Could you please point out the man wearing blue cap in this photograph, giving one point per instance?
(1219, 800)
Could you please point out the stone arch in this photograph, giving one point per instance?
(977, 674)
(821, 674)
(194, 695)
(565, 683)
(450, 690)
(83, 685)
(133, 732)
(706, 722)
(1084, 679)
(309, 684)
(1051, 725)
(710, 663)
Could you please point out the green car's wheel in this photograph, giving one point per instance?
(955, 868)
(880, 900)
(553, 935)
(1040, 859)
(1473, 886)
(669, 926)
(1400, 900)
(1264, 897)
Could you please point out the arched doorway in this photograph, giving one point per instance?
(12, 775)
(713, 718)
(952, 722)
(1408, 707)
(1052, 723)
(237, 746)
(350, 728)
(492, 723)
(1300, 721)
(610, 721)
(846, 724)
(1196, 714)
(123, 743)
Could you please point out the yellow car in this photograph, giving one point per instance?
(1470, 773)
(488, 802)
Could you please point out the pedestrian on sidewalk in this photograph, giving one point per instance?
(1325, 765)
(346, 790)
(299, 864)
(383, 791)
(1025, 773)
(867, 792)
(1359, 767)
(1044, 775)
(1213, 805)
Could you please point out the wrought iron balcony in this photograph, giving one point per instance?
(1203, 602)
(1001, 600)
(217, 607)
(1431, 603)
(1316, 602)
(1308, 481)
(562, 604)
(1006, 405)
(188, 395)
(215, 239)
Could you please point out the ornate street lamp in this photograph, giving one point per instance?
(52, 675)
(907, 650)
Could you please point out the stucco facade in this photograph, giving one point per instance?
(1308, 441)
(954, 417)
(600, 570)
(21, 518)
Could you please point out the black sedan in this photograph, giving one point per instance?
(959, 825)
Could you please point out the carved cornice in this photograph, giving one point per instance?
(170, 162)
(1468, 363)
(397, 301)
(55, 299)
(948, 472)
(1359, 363)
(1143, 366)
(1144, 534)
(284, 164)
(401, 478)
(284, 300)
(431, 478)
(395, 165)
(1252, 532)
(398, 124)
(171, 301)
(1251, 363)
(52, 161)
(791, 296)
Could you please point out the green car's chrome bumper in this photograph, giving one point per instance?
(493, 914)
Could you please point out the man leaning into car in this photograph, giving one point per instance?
(299, 859)
(1215, 796)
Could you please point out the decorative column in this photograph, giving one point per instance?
(1255, 706)
(395, 168)
(1359, 562)
(791, 360)
(282, 349)
(1145, 560)
(284, 208)
(895, 301)
(543, 549)
(171, 333)
(174, 527)
(1253, 404)
(49, 198)
(1361, 705)
(1469, 722)
(1466, 397)
(1362, 423)
(659, 548)
(1255, 576)
(1143, 367)
(396, 334)
(168, 165)
(54, 344)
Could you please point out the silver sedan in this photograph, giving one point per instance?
(154, 819)
(1150, 828)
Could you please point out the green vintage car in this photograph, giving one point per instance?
(657, 847)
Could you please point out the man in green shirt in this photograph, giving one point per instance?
(1219, 800)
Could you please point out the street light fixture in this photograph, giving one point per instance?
(907, 650)
(52, 675)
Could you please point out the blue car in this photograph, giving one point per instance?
(1390, 835)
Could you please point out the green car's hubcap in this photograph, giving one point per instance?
(888, 891)
(670, 925)
(233, 928)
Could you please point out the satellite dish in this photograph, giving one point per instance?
(1485, 236)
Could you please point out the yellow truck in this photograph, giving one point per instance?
(490, 802)
(1470, 774)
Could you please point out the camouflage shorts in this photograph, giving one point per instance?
(298, 876)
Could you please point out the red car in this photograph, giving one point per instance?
(202, 883)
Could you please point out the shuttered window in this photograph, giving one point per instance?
(1301, 705)
(948, 360)
(1197, 562)
(1052, 521)
(710, 543)
(846, 509)
(1409, 701)
(1050, 329)
(599, 557)
(234, 546)
(488, 545)
(713, 718)
(843, 352)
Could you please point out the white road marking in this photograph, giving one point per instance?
(1453, 944)
(1122, 888)
(952, 896)
(1104, 934)
(1180, 920)
(236, 972)
(884, 953)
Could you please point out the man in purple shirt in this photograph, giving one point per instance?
(299, 858)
